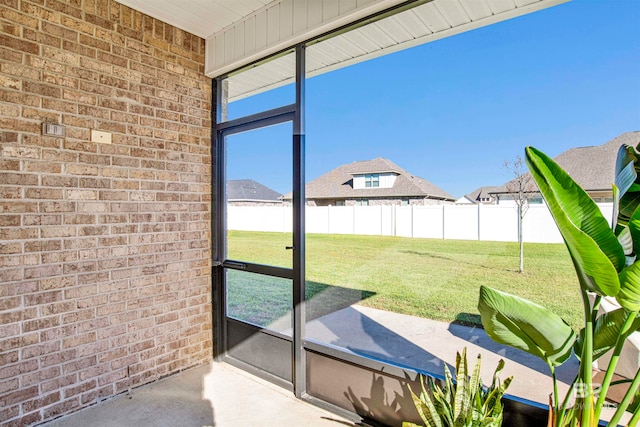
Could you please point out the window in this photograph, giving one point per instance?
(372, 180)
(405, 202)
(339, 202)
(535, 201)
(362, 202)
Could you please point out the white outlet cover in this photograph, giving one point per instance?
(100, 137)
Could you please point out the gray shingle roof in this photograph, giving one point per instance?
(481, 193)
(593, 168)
(338, 183)
(250, 190)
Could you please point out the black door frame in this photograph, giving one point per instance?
(293, 113)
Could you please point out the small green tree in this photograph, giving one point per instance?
(522, 189)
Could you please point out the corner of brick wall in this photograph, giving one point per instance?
(104, 249)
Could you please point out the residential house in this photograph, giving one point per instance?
(247, 192)
(372, 182)
(482, 195)
(593, 168)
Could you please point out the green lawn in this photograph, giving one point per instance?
(436, 279)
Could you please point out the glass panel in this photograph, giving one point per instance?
(266, 86)
(389, 276)
(259, 209)
(264, 301)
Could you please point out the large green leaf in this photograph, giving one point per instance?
(625, 172)
(629, 295)
(522, 324)
(596, 253)
(627, 201)
(633, 227)
(627, 181)
(606, 330)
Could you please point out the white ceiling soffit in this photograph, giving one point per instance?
(240, 32)
(427, 22)
(200, 17)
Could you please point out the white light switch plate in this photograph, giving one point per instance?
(101, 137)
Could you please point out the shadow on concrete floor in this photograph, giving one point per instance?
(211, 395)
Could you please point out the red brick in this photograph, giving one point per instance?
(42, 89)
(58, 383)
(42, 323)
(19, 44)
(59, 307)
(27, 420)
(79, 388)
(57, 30)
(61, 408)
(41, 38)
(79, 364)
(10, 193)
(40, 375)
(7, 413)
(40, 402)
(96, 395)
(40, 349)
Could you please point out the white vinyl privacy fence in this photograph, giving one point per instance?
(462, 222)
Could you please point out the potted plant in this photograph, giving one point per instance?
(605, 261)
(463, 403)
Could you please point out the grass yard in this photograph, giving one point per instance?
(436, 279)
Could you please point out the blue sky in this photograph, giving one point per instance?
(452, 111)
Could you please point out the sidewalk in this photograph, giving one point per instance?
(426, 344)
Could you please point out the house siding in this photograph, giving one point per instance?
(417, 201)
(385, 180)
(104, 249)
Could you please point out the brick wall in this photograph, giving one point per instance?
(104, 249)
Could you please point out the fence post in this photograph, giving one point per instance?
(412, 224)
(393, 220)
(443, 223)
(353, 220)
(479, 204)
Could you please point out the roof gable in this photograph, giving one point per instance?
(481, 193)
(338, 183)
(592, 167)
(248, 189)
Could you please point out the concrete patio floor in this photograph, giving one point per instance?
(217, 395)
(222, 395)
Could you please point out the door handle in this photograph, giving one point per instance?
(235, 264)
(289, 247)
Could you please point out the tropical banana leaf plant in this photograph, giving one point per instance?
(463, 402)
(606, 264)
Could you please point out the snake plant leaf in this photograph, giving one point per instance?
(525, 325)
(606, 330)
(629, 295)
(462, 393)
(475, 382)
(596, 253)
(424, 406)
